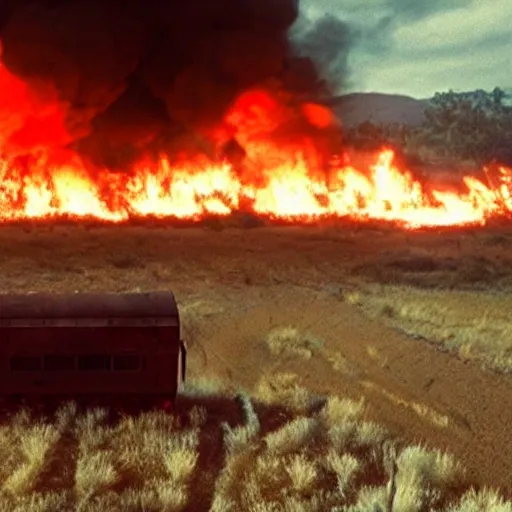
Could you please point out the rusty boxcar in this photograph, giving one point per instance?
(91, 344)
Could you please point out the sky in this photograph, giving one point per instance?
(418, 47)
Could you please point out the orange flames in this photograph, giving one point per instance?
(194, 190)
(279, 182)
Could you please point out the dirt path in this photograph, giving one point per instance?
(418, 391)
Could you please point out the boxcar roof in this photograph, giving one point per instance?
(88, 305)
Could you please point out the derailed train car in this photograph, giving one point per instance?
(91, 344)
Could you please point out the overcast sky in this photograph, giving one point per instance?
(418, 47)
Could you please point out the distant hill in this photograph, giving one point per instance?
(356, 108)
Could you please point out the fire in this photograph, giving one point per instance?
(281, 179)
(193, 190)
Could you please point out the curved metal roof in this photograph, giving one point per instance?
(88, 305)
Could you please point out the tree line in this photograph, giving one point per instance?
(474, 126)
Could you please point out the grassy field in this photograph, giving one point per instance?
(333, 368)
(447, 319)
(285, 449)
(455, 298)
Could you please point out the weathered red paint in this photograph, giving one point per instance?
(91, 344)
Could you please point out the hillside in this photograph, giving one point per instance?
(356, 108)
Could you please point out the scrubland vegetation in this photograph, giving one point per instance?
(474, 127)
(438, 317)
(460, 302)
(283, 449)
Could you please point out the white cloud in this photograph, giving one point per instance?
(460, 27)
(460, 48)
(479, 69)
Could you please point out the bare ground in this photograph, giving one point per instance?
(346, 288)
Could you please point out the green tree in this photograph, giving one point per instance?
(473, 125)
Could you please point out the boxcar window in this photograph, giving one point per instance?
(25, 363)
(59, 363)
(127, 363)
(94, 362)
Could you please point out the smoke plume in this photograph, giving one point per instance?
(118, 79)
(327, 41)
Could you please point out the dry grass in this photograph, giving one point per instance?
(311, 458)
(294, 343)
(476, 326)
(204, 387)
(289, 341)
(35, 449)
(292, 436)
(483, 501)
(421, 478)
(327, 459)
(344, 425)
(285, 389)
(344, 466)
(423, 411)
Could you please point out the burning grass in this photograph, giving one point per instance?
(267, 150)
(329, 458)
(293, 189)
(475, 326)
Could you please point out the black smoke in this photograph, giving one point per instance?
(142, 76)
(327, 42)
